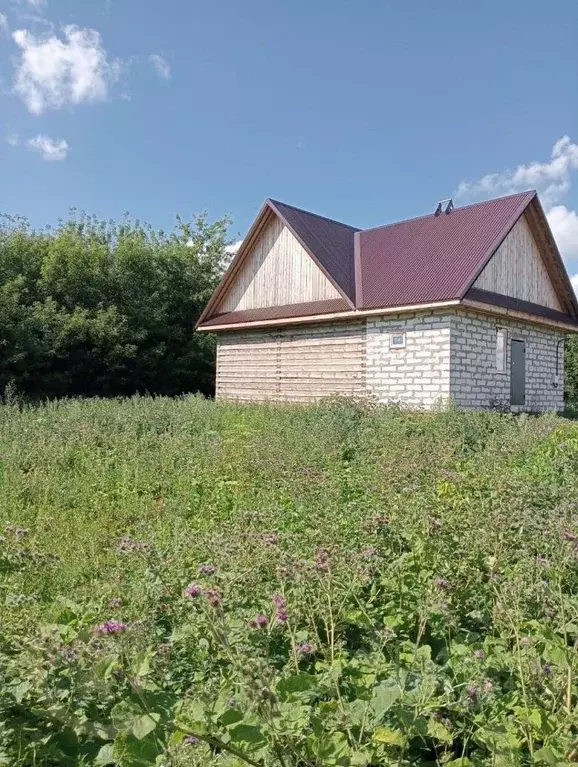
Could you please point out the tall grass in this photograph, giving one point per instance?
(366, 586)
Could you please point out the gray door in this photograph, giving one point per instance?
(518, 373)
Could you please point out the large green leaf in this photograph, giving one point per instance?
(383, 698)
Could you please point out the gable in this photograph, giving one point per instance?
(276, 271)
(517, 269)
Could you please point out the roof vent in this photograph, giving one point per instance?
(448, 209)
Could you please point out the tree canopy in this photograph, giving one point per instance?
(101, 308)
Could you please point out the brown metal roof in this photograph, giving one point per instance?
(329, 306)
(419, 261)
(432, 258)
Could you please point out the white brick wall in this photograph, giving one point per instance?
(474, 379)
(452, 356)
(418, 375)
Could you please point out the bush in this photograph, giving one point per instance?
(97, 308)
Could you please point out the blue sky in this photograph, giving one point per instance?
(364, 111)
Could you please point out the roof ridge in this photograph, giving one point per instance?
(530, 193)
(317, 215)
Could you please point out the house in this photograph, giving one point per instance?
(469, 305)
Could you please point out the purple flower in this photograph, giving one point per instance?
(207, 569)
(259, 622)
(479, 654)
(472, 691)
(441, 583)
(546, 669)
(322, 560)
(128, 544)
(278, 600)
(115, 602)
(305, 648)
(193, 590)
(213, 597)
(282, 616)
(190, 740)
(110, 627)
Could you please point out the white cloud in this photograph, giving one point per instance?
(161, 66)
(574, 281)
(53, 72)
(552, 179)
(52, 149)
(233, 249)
(564, 225)
(12, 138)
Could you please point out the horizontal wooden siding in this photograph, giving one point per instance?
(296, 364)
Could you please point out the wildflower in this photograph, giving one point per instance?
(488, 686)
(193, 590)
(110, 627)
(190, 740)
(282, 616)
(441, 583)
(259, 622)
(546, 669)
(207, 569)
(322, 560)
(69, 654)
(305, 648)
(213, 597)
(278, 600)
(165, 648)
(128, 544)
(115, 602)
(472, 691)
(479, 654)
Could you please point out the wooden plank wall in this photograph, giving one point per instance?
(292, 364)
(517, 269)
(278, 271)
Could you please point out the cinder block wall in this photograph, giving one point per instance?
(418, 375)
(474, 379)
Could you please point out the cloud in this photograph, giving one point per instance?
(552, 179)
(574, 281)
(12, 138)
(53, 73)
(233, 249)
(161, 66)
(564, 225)
(52, 149)
(4, 27)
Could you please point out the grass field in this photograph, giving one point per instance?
(187, 583)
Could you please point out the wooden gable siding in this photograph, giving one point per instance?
(292, 364)
(277, 271)
(517, 269)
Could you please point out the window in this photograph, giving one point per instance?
(501, 349)
(397, 341)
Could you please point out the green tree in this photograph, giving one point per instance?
(571, 370)
(98, 308)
